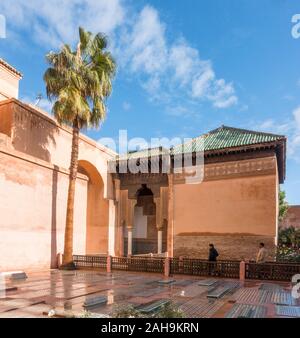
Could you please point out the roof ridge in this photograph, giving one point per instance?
(147, 149)
(244, 131)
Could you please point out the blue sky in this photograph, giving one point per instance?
(184, 67)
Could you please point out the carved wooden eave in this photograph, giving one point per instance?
(140, 178)
(253, 151)
(228, 170)
(246, 153)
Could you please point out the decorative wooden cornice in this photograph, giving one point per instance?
(225, 170)
(140, 178)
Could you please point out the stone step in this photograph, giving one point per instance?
(218, 292)
(14, 275)
(247, 311)
(95, 301)
(207, 282)
(153, 307)
(288, 311)
(166, 281)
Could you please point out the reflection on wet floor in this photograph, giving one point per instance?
(197, 297)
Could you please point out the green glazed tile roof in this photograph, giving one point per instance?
(224, 138)
(143, 153)
(218, 139)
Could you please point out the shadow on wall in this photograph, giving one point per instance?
(97, 209)
(54, 219)
(33, 134)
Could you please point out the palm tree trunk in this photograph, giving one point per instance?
(68, 245)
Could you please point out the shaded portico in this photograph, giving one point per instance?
(142, 207)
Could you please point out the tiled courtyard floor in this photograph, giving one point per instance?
(67, 290)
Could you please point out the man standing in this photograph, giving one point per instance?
(213, 253)
(262, 254)
(212, 258)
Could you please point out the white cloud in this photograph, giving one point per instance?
(179, 111)
(42, 103)
(182, 59)
(55, 21)
(272, 126)
(202, 82)
(146, 44)
(290, 128)
(296, 114)
(169, 65)
(294, 144)
(191, 71)
(223, 94)
(169, 70)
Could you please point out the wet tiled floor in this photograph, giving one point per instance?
(68, 290)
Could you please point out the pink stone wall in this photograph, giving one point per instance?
(233, 212)
(32, 208)
(34, 161)
(37, 134)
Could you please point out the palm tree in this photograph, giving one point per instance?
(79, 81)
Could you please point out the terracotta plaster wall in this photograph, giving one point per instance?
(6, 121)
(229, 246)
(97, 222)
(240, 206)
(32, 214)
(35, 133)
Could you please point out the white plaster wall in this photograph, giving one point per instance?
(9, 84)
(139, 224)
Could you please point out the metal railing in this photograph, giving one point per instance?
(271, 271)
(142, 264)
(87, 261)
(191, 266)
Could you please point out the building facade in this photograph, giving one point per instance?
(117, 212)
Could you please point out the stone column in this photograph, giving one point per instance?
(122, 198)
(158, 204)
(159, 241)
(171, 215)
(108, 264)
(112, 228)
(130, 216)
(242, 270)
(167, 267)
(129, 249)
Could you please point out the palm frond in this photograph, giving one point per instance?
(80, 80)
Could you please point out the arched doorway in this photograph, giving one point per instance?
(144, 233)
(97, 212)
